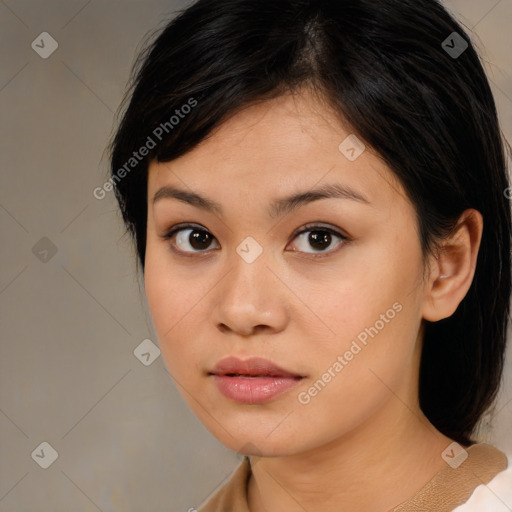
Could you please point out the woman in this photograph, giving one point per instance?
(317, 194)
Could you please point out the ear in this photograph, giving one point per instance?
(453, 268)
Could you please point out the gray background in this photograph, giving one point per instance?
(69, 325)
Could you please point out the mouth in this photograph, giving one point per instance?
(250, 376)
(252, 381)
(252, 367)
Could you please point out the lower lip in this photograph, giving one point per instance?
(254, 390)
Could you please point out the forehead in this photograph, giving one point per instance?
(290, 143)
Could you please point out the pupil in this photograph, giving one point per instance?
(199, 239)
(320, 239)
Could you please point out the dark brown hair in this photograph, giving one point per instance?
(390, 68)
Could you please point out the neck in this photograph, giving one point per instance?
(373, 468)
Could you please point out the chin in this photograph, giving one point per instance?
(257, 441)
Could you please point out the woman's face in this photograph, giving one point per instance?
(328, 289)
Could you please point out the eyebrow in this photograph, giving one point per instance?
(278, 207)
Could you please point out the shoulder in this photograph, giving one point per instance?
(454, 485)
(494, 496)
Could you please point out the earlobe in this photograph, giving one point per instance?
(453, 268)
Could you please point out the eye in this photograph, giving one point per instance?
(319, 238)
(192, 239)
(189, 236)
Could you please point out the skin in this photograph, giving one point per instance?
(362, 443)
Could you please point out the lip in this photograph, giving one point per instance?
(252, 381)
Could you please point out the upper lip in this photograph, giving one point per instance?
(253, 366)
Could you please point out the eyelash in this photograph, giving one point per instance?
(307, 228)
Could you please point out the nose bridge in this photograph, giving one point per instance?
(248, 295)
(249, 272)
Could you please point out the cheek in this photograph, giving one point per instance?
(366, 376)
(164, 295)
(160, 295)
(175, 303)
(168, 291)
(359, 301)
(375, 317)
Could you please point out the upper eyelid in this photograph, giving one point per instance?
(307, 227)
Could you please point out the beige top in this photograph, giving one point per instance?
(447, 489)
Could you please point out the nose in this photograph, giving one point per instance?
(251, 298)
